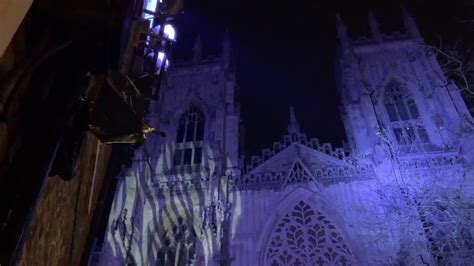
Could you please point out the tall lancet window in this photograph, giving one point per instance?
(404, 116)
(189, 138)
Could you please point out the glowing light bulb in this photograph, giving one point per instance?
(169, 32)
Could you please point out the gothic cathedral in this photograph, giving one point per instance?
(398, 193)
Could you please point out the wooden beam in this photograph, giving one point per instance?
(12, 13)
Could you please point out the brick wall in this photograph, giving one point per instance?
(60, 227)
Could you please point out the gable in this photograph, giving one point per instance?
(283, 160)
(298, 164)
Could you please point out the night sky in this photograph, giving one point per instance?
(285, 55)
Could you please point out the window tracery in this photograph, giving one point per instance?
(404, 116)
(306, 237)
(189, 138)
(179, 245)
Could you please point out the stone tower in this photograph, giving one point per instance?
(408, 121)
(394, 90)
(175, 187)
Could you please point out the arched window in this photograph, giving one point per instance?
(305, 236)
(189, 138)
(404, 116)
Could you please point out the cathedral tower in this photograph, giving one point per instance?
(167, 205)
(402, 115)
(394, 91)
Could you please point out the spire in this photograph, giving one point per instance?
(342, 33)
(410, 24)
(375, 27)
(226, 49)
(293, 127)
(226, 45)
(197, 49)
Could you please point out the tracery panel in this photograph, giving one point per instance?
(306, 237)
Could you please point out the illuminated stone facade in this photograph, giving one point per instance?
(400, 192)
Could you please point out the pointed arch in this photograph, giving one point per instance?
(191, 125)
(193, 99)
(304, 231)
(399, 102)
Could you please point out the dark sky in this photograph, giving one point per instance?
(285, 55)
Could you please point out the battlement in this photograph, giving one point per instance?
(376, 37)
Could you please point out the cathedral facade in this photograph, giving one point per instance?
(400, 191)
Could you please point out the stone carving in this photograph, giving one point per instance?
(179, 245)
(306, 237)
(325, 175)
(431, 163)
(196, 182)
(214, 215)
(298, 174)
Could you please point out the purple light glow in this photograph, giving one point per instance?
(156, 29)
